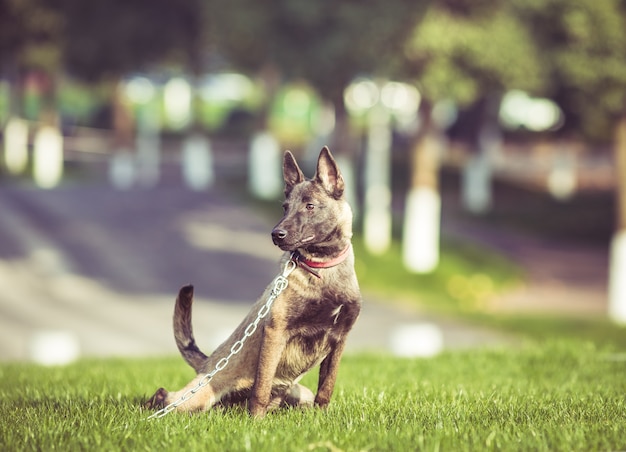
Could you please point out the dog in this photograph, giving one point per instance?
(308, 322)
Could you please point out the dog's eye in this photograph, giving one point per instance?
(310, 206)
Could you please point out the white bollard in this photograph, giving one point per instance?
(16, 145)
(423, 340)
(48, 157)
(265, 179)
(617, 278)
(54, 347)
(562, 180)
(420, 244)
(122, 172)
(197, 162)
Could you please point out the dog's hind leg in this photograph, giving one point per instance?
(202, 400)
(298, 396)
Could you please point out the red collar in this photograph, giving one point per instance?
(310, 264)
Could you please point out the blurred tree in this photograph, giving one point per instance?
(464, 51)
(583, 50)
(108, 38)
(105, 40)
(471, 51)
(30, 33)
(326, 42)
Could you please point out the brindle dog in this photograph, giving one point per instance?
(308, 322)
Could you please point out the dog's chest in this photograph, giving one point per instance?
(328, 313)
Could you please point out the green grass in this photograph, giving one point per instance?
(561, 395)
(466, 276)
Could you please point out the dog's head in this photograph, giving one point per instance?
(316, 214)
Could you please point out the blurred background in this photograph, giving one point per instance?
(483, 143)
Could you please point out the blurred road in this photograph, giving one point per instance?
(561, 277)
(86, 270)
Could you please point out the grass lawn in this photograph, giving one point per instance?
(560, 395)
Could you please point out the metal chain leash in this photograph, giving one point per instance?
(280, 284)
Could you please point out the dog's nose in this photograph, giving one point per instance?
(278, 235)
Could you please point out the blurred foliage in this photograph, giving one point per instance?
(294, 114)
(30, 34)
(110, 38)
(583, 48)
(326, 42)
(78, 101)
(466, 50)
(571, 50)
(98, 38)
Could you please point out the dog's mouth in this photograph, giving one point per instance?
(292, 246)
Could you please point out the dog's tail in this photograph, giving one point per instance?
(183, 331)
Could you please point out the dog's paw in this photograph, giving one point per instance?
(157, 401)
(257, 411)
(321, 402)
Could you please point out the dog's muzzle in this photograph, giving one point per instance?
(279, 235)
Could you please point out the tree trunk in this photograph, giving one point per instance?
(617, 271)
(16, 92)
(620, 164)
(422, 219)
(344, 149)
(476, 187)
(377, 176)
(48, 160)
(122, 119)
(48, 156)
(265, 176)
(122, 171)
(16, 145)
(264, 157)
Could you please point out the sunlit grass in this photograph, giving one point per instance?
(562, 395)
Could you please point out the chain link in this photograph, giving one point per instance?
(280, 284)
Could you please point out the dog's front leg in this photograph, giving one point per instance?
(273, 343)
(328, 374)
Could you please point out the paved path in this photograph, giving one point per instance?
(89, 271)
(561, 277)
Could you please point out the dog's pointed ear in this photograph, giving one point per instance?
(328, 174)
(291, 172)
